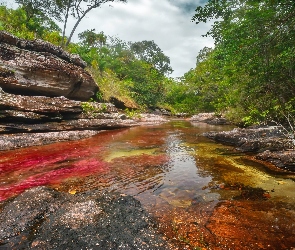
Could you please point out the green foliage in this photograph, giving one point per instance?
(20, 24)
(252, 67)
(136, 71)
(87, 107)
(132, 113)
(111, 86)
(150, 52)
(90, 108)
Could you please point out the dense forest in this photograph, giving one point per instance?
(248, 76)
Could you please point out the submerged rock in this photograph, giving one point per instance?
(46, 219)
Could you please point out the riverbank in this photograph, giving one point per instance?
(268, 145)
(91, 127)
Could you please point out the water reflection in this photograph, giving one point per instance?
(204, 195)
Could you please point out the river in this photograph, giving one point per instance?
(203, 195)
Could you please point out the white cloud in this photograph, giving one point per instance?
(166, 22)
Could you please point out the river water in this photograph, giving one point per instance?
(203, 195)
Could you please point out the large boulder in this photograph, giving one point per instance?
(40, 68)
(41, 46)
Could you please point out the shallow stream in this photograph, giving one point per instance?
(203, 195)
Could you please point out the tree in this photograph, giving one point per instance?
(150, 52)
(254, 50)
(92, 39)
(62, 9)
(45, 8)
(34, 26)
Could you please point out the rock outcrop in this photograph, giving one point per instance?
(46, 219)
(42, 89)
(40, 68)
(39, 120)
(269, 144)
(210, 118)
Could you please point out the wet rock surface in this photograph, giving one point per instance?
(42, 218)
(241, 223)
(285, 160)
(252, 225)
(269, 144)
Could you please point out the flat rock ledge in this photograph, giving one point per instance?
(209, 118)
(269, 144)
(23, 140)
(39, 120)
(42, 218)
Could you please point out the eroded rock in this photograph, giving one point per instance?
(253, 139)
(40, 68)
(38, 104)
(285, 160)
(23, 140)
(40, 120)
(46, 219)
(269, 143)
(41, 46)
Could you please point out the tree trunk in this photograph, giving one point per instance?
(65, 24)
(77, 23)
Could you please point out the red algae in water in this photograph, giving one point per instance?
(78, 169)
(51, 164)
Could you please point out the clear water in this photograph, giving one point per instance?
(204, 195)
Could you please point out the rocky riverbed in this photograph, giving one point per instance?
(44, 99)
(42, 218)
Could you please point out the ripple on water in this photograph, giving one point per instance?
(203, 194)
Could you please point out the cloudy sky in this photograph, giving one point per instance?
(167, 22)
